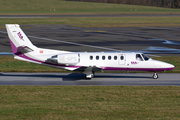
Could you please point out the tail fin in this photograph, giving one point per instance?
(20, 43)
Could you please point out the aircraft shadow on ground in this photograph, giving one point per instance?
(75, 76)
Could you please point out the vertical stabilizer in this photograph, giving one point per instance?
(18, 39)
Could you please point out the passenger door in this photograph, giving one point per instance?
(122, 59)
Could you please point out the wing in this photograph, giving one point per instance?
(86, 69)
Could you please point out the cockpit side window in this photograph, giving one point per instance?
(138, 57)
(146, 58)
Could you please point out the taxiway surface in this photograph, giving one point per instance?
(95, 15)
(152, 40)
(139, 79)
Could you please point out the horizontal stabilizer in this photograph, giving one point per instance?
(24, 49)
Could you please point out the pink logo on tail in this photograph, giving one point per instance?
(20, 36)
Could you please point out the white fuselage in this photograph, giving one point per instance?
(123, 61)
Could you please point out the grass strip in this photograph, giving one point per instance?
(66, 7)
(89, 102)
(9, 64)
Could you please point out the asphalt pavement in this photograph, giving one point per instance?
(150, 40)
(88, 15)
(118, 79)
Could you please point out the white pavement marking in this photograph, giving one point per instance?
(74, 43)
(79, 44)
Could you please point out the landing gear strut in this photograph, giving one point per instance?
(155, 76)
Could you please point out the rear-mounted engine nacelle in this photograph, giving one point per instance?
(68, 59)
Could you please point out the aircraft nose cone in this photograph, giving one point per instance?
(170, 66)
(163, 66)
(167, 66)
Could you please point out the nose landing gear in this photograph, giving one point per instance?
(155, 76)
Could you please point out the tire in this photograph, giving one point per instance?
(155, 76)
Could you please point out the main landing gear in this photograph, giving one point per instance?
(90, 75)
(155, 76)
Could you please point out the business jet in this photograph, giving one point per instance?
(87, 62)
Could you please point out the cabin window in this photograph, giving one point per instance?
(91, 57)
(103, 57)
(138, 57)
(109, 57)
(122, 57)
(97, 57)
(115, 57)
(145, 57)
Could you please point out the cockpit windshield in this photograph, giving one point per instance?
(138, 57)
(142, 57)
(146, 58)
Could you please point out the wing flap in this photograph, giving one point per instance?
(83, 68)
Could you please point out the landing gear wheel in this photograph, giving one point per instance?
(89, 74)
(88, 77)
(155, 76)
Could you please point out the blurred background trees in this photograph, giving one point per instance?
(157, 3)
